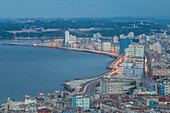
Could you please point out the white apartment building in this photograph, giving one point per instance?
(112, 86)
(135, 50)
(81, 101)
(106, 46)
(115, 39)
(67, 38)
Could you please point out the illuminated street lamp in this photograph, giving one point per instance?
(57, 91)
(41, 94)
(27, 96)
(79, 87)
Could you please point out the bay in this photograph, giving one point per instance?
(31, 70)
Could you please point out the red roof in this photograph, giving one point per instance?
(115, 73)
(44, 110)
(141, 109)
(140, 94)
(113, 96)
(164, 99)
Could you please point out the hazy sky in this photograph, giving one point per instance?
(83, 8)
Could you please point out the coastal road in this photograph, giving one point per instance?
(89, 87)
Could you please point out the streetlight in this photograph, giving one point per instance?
(79, 87)
(57, 91)
(27, 96)
(41, 94)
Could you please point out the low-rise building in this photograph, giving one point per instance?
(155, 47)
(162, 72)
(81, 101)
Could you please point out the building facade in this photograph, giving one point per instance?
(162, 72)
(133, 72)
(165, 87)
(111, 86)
(80, 101)
(135, 50)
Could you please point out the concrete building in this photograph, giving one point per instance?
(156, 47)
(115, 39)
(67, 38)
(133, 72)
(81, 101)
(161, 72)
(97, 36)
(106, 46)
(135, 50)
(72, 38)
(112, 86)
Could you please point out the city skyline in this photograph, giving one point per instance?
(81, 8)
(93, 56)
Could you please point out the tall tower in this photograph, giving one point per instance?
(124, 43)
(66, 39)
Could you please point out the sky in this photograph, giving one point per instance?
(83, 8)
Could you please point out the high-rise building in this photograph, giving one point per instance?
(106, 46)
(135, 50)
(66, 39)
(116, 39)
(124, 43)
